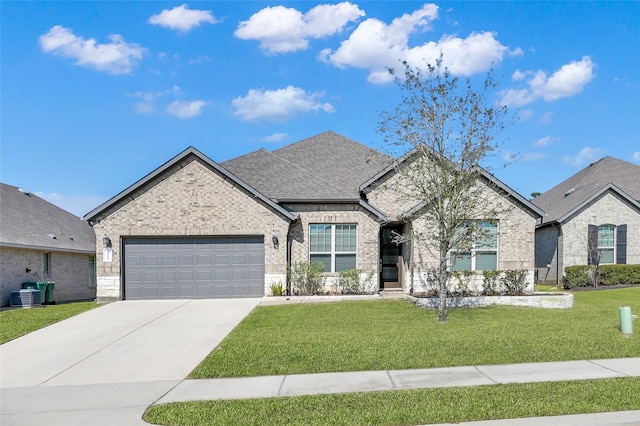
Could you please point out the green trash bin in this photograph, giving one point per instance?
(48, 294)
(36, 286)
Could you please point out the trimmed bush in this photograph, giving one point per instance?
(306, 278)
(350, 282)
(514, 281)
(581, 275)
(490, 282)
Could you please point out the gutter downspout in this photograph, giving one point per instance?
(288, 279)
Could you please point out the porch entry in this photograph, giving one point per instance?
(390, 258)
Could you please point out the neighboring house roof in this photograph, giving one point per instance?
(28, 221)
(325, 167)
(574, 193)
(177, 159)
(491, 179)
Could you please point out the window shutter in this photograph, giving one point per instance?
(592, 244)
(621, 245)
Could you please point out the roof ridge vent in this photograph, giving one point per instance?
(569, 192)
(24, 191)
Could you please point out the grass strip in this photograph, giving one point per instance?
(18, 322)
(395, 335)
(411, 407)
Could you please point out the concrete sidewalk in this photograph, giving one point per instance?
(362, 381)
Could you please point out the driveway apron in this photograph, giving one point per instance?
(123, 355)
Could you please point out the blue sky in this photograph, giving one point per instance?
(95, 95)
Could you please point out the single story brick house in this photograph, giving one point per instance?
(42, 242)
(194, 228)
(593, 216)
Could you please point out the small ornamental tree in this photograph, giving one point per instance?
(448, 128)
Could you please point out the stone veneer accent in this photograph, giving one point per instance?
(190, 199)
(538, 300)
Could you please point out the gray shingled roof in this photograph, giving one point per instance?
(573, 193)
(327, 166)
(28, 221)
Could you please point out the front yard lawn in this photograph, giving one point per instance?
(393, 334)
(18, 322)
(410, 407)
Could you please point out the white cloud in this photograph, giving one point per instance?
(77, 204)
(586, 155)
(281, 29)
(568, 81)
(546, 118)
(276, 138)
(278, 105)
(183, 109)
(116, 57)
(545, 141)
(636, 156)
(147, 102)
(182, 19)
(525, 114)
(377, 46)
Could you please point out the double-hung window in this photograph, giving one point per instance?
(334, 246)
(606, 243)
(483, 254)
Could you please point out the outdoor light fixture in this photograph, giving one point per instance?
(275, 241)
(106, 241)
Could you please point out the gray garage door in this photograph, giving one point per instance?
(190, 268)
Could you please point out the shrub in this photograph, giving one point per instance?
(514, 281)
(490, 282)
(582, 275)
(277, 289)
(350, 282)
(463, 279)
(306, 278)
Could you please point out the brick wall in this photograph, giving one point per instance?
(607, 209)
(70, 271)
(191, 200)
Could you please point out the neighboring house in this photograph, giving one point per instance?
(196, 228)
(42, 242)
(592, 217)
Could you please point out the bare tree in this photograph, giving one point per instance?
(448, 128)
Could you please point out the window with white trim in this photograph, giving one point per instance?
(335, 246)
(46, 264)
(483, 255)
(607, 243)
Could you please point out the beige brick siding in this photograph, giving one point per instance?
(382, 196)
(368, 230)
(192, 200)
(515, 240)
(608, 209)
(70, 271)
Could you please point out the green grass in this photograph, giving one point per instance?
(411, 407)
(394, 334)
(547, 287)
(18, 322)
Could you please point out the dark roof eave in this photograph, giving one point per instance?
(46, 248)
(190, 150)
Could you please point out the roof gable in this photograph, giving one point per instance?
(493, 182)
(28, 221)
(160, 171)
(572, 194)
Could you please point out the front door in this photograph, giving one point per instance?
(390, 258)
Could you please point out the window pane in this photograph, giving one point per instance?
(344, 262)
(345, 238)
(487, 235)
(325, 259)
(606, 236)
(390, 254)
(319, 238)
(460, 261)
(606, 255)
(486, 261)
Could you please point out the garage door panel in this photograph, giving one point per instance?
(214, 267)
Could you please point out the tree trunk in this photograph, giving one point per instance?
(442, 284)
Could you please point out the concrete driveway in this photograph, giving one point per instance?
(107, 365)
